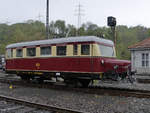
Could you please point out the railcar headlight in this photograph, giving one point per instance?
(116, 66)
(102, 61)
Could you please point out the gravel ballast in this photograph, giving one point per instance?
(88, 103)
(78, 101)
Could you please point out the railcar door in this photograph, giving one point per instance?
(86, 61)
(92, 59)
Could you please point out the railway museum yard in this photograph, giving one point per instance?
(75, 99)
(63, 66)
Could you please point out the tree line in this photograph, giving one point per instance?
(35, 30)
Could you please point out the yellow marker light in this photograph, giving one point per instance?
(10, 87)
(37, 65)
(101, 75)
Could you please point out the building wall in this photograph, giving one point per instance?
(136, 61)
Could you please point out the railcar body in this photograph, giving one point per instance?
(74, 59)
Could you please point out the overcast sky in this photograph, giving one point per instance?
(127, 12)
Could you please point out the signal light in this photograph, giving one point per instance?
(111, 21)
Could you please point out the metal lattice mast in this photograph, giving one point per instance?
(40, 17)
(79, 14)
(47, 20)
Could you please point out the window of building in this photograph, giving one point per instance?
(75, 49)
(45, 51)
(145, 60)
(85, 49)
(19, 53)
(31, 51)
(106, 51)
(9, 53)
(61, 50)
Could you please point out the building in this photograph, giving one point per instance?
(140, 57)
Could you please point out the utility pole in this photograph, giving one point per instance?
(79, 14)
(113, 29)
(47, 20)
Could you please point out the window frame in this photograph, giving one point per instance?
(17, 52)
(106, 47)
(45, 54)
(82, 51)
(145, 60)
(10, 55)
(75, 49)
(60, 47)
(31, 55)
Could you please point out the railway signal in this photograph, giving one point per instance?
(111, 21)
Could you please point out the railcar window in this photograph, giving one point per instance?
(9, 53)
(61, 50)
(106, 51)
(45, 51)
(31, 51)
(19, 53)
(85, 49)
(75, 49)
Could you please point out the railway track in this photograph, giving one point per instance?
(14, 105)
(124, 92)
(145, 81)
(10, 107)
(99, 90)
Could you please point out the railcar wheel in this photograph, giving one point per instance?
(85, 82)
(70, 82)
(40, 80)
(25, 78)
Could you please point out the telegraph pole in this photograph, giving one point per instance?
(47, 20)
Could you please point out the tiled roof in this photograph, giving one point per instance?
(143, 44)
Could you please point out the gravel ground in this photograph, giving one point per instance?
(80, 101)
(125, 84)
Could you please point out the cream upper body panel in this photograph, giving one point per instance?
(93, 48)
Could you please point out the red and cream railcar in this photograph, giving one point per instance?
(74, 59)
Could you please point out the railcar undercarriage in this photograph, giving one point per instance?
(74, 79)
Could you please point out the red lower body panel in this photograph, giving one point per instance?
(67, 64)
(59, 64)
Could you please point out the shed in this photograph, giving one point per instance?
(140, 57)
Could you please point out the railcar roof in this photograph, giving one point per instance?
(62, 40)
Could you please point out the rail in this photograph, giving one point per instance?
(38, 105)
